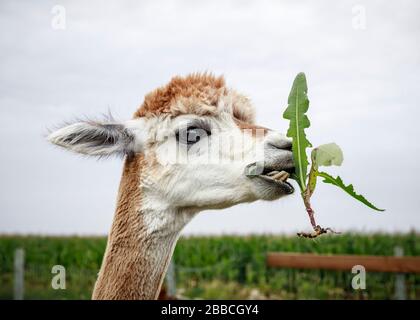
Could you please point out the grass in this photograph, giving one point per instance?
(213, 267)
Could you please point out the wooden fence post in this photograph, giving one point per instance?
(19, 262)
(400, 290)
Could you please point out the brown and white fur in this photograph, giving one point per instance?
(159, 195)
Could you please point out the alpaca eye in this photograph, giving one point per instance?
(191, 135)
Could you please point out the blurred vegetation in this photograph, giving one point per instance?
(219, 267)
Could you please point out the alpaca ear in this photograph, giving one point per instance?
(96, 138)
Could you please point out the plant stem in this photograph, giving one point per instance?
(309, 209)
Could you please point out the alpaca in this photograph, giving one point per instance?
(192, 145)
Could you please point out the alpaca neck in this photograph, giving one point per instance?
(140, 244)
(134, 270)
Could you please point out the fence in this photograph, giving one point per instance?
(397, 264)
(170, 289)
(403, 284)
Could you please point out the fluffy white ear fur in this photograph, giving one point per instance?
(101, 139)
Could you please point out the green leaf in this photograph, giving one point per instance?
(349, 189)
(298, 105)
(327, 155)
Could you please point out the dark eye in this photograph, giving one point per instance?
(191, 135)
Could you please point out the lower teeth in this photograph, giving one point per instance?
(278, 176)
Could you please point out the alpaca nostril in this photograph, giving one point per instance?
(288, 146)
(283, 145)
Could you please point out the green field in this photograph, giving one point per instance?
(213, 267)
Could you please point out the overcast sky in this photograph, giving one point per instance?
(363, 78)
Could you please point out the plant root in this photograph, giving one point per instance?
(318, 230)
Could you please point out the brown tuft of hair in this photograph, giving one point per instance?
(199, 92)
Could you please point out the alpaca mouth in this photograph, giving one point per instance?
(277, 177)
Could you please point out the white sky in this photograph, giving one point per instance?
(363, 87)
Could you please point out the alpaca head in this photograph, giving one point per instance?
(199, 145)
